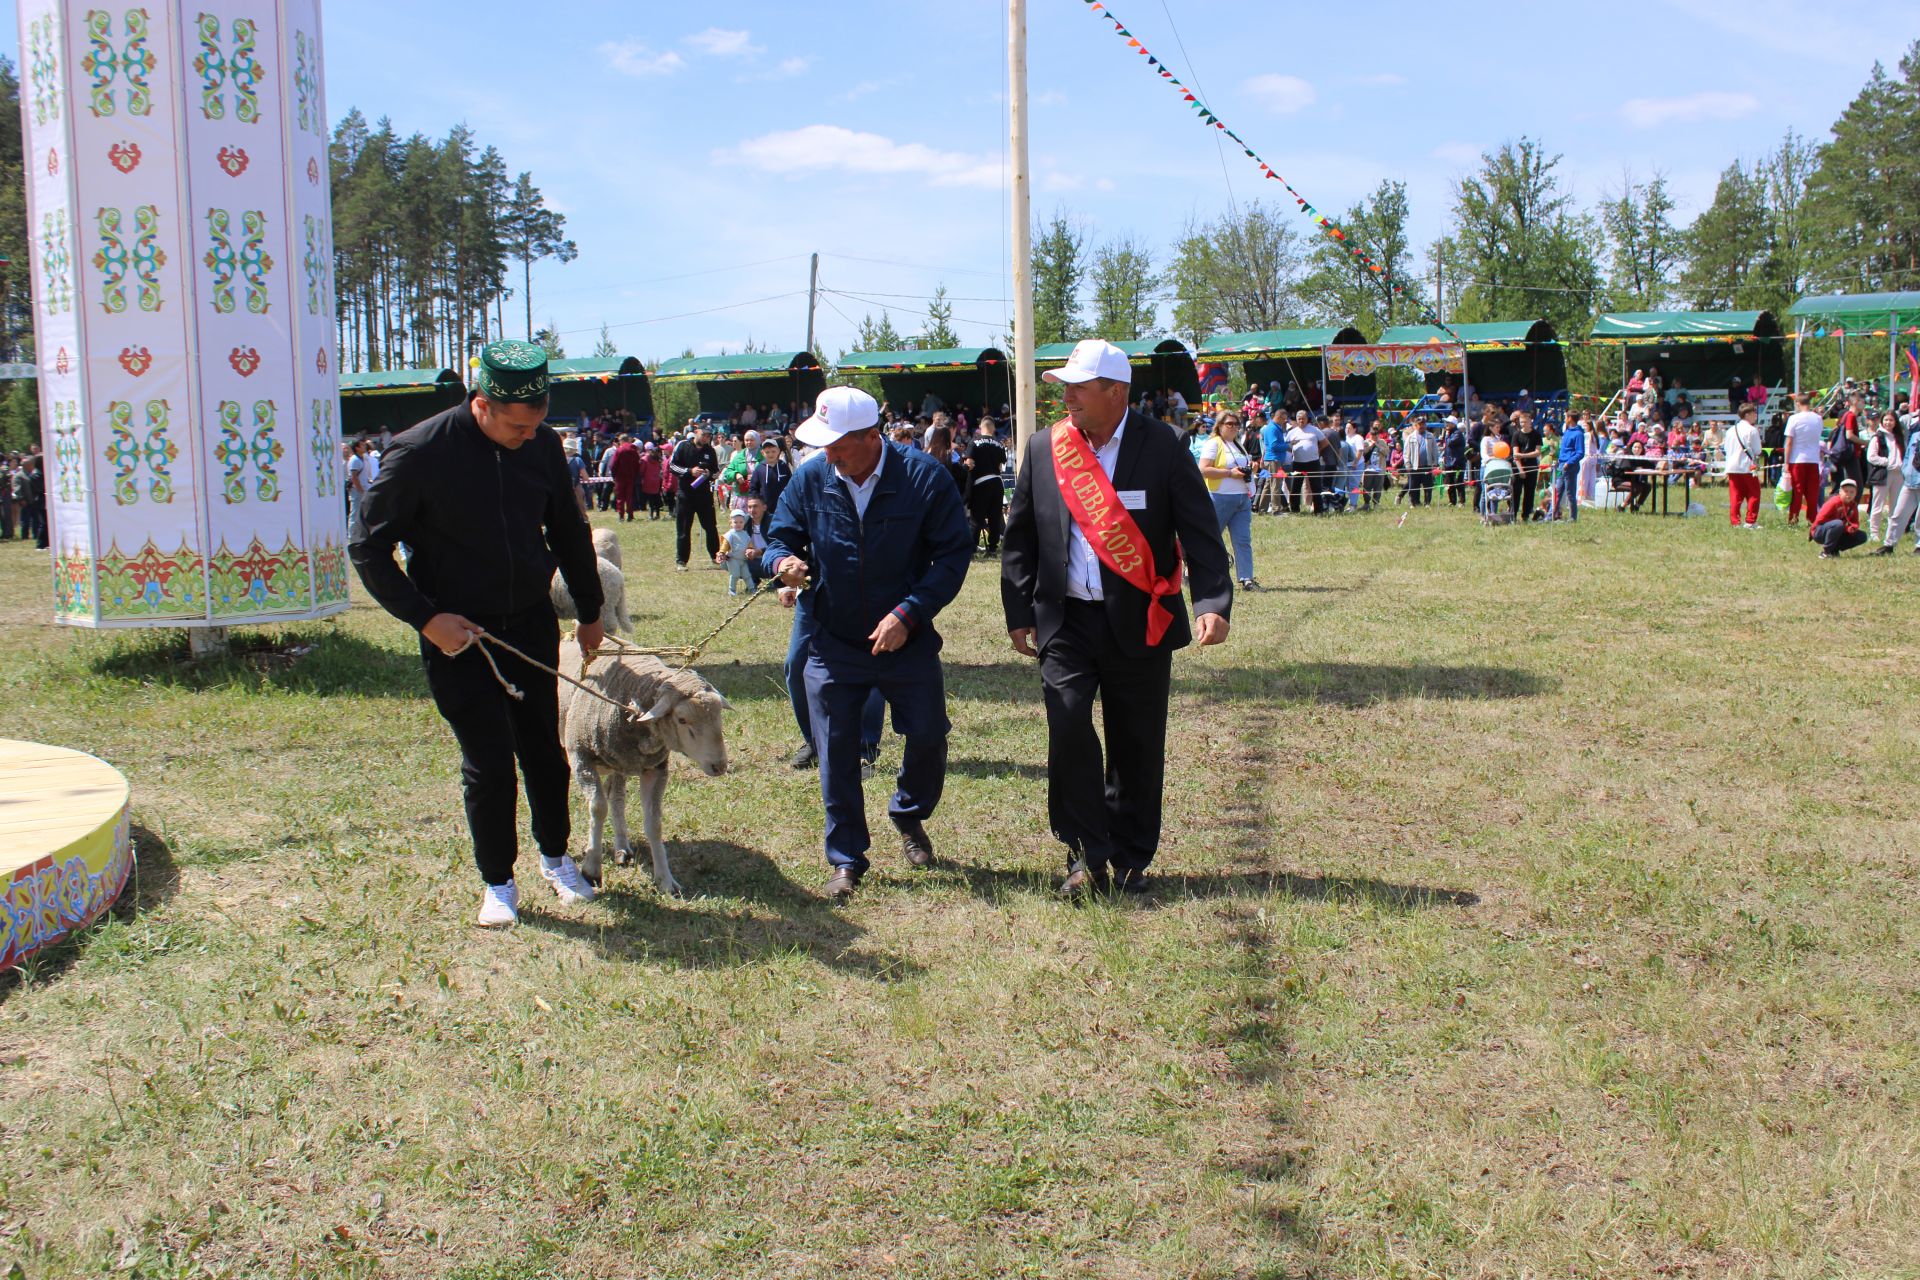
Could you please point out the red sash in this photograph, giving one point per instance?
(1110, 528)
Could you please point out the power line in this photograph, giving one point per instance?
(685, 275)
(917, 266)
(683, 315)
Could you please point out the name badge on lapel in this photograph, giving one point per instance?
(1132, 499)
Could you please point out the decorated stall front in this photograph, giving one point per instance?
(792, 378)
(373, 404)
(1159, 364)
(1866, 323)
(978, 377)
(184, 310)
(1291, 363)
(1703, 350)
(1508, 362)
(595, 385)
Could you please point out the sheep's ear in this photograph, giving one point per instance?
(658, 710)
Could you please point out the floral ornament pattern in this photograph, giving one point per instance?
(236, 450)
(105, 64)
(128, 452)
(329, 573)
(57, 289)
(43, 61)
(255, 261)
(148, 256)
(220, 259)
(233, 161)
(313, 171)
(257, 580)
(72, 585)
(110, 260)
(136, 360)
(124, 156)
(306, 83)
(44, 902)
(318, 262)
(245, 360)
(151, 583)
(323, 450)
(250, 261)
(241, 70)
(68, 455)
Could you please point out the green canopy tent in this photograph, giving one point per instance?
(596, 385)
(1864, 317)
(395, 399)
(1162, 364)
(1504, 357)
(789, 378)
(1705, 350)
(980, 377)
(1291, 357)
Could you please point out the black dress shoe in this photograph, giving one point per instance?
(804, 758)
(915, 843)
(1132, 880)
(841, 884)
(1084, 881)
(1882, 550)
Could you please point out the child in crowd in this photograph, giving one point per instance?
(739, 570)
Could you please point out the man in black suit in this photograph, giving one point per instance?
(1104, 615)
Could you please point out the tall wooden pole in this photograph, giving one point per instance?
(813, 298)
(1023, 391)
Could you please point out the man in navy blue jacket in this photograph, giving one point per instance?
(879, 537)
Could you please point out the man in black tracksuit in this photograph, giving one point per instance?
(695, 468)
(482, 496)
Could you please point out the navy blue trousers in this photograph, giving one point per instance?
(840, 678)
(872, 717)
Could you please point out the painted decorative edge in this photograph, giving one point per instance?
(64, 892)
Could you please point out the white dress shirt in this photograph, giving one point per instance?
(1083, 563)
(862, 492)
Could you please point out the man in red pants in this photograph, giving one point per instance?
(1803, 459)
(1742, 447)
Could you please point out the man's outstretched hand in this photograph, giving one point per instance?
(450, 633)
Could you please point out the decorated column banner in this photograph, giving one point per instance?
(1363, 361)
(184, 311)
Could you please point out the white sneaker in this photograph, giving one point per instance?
(499, 905)
(568, 884)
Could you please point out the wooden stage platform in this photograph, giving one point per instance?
(66, 845)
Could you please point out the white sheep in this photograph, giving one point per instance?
(613, 588)
(605, 745)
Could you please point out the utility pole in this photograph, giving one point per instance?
(1438, 271)
(1023, 401)
(813, 298)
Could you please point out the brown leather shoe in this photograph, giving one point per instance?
(1084, 881)
(915, 843)
(841, 884)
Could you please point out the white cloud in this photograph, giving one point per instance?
(1281, 94)
(793, 66)
(1381, 80)
(827, 147)
(1457, 153)
(1056, 181)
(1710, 104)
(1050, 98)
(723, 44)
(633, 58)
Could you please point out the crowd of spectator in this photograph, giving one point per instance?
(23, 497)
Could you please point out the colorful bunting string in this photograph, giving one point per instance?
(1207, 117)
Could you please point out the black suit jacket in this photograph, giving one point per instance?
(1033, 553)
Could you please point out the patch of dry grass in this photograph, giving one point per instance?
(1535, 902)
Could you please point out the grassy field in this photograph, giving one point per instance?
(1535, 902)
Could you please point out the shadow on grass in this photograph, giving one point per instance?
(992, 883)
(636, 923)
(325, 662)
(970, 767)
(151, 883)
(1360, 684)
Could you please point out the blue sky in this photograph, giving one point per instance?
(700, 152)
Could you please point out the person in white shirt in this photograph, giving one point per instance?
(1177, 408)
(1741, 446)
(1804, 429)
(1304, 443)
(1885, 449)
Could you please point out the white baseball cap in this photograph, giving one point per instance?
(1092, 359)
(839, 411)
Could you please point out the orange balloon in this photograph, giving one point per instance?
(1501, 449)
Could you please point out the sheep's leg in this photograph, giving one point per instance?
(653, 791)
(595, 791)
(622, 843)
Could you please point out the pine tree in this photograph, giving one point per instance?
(605, 349)
(939, 335)
(1059, 268)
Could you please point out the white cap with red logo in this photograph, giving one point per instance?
(1092, 359)
(839, 411)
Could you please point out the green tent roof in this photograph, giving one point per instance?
(594, 367)
(1489, 335)
(942, 358)
(396, 380)
(1275, 341)
(1647, 328)
(748, 364)
(1138, 352)
(1859, 310)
